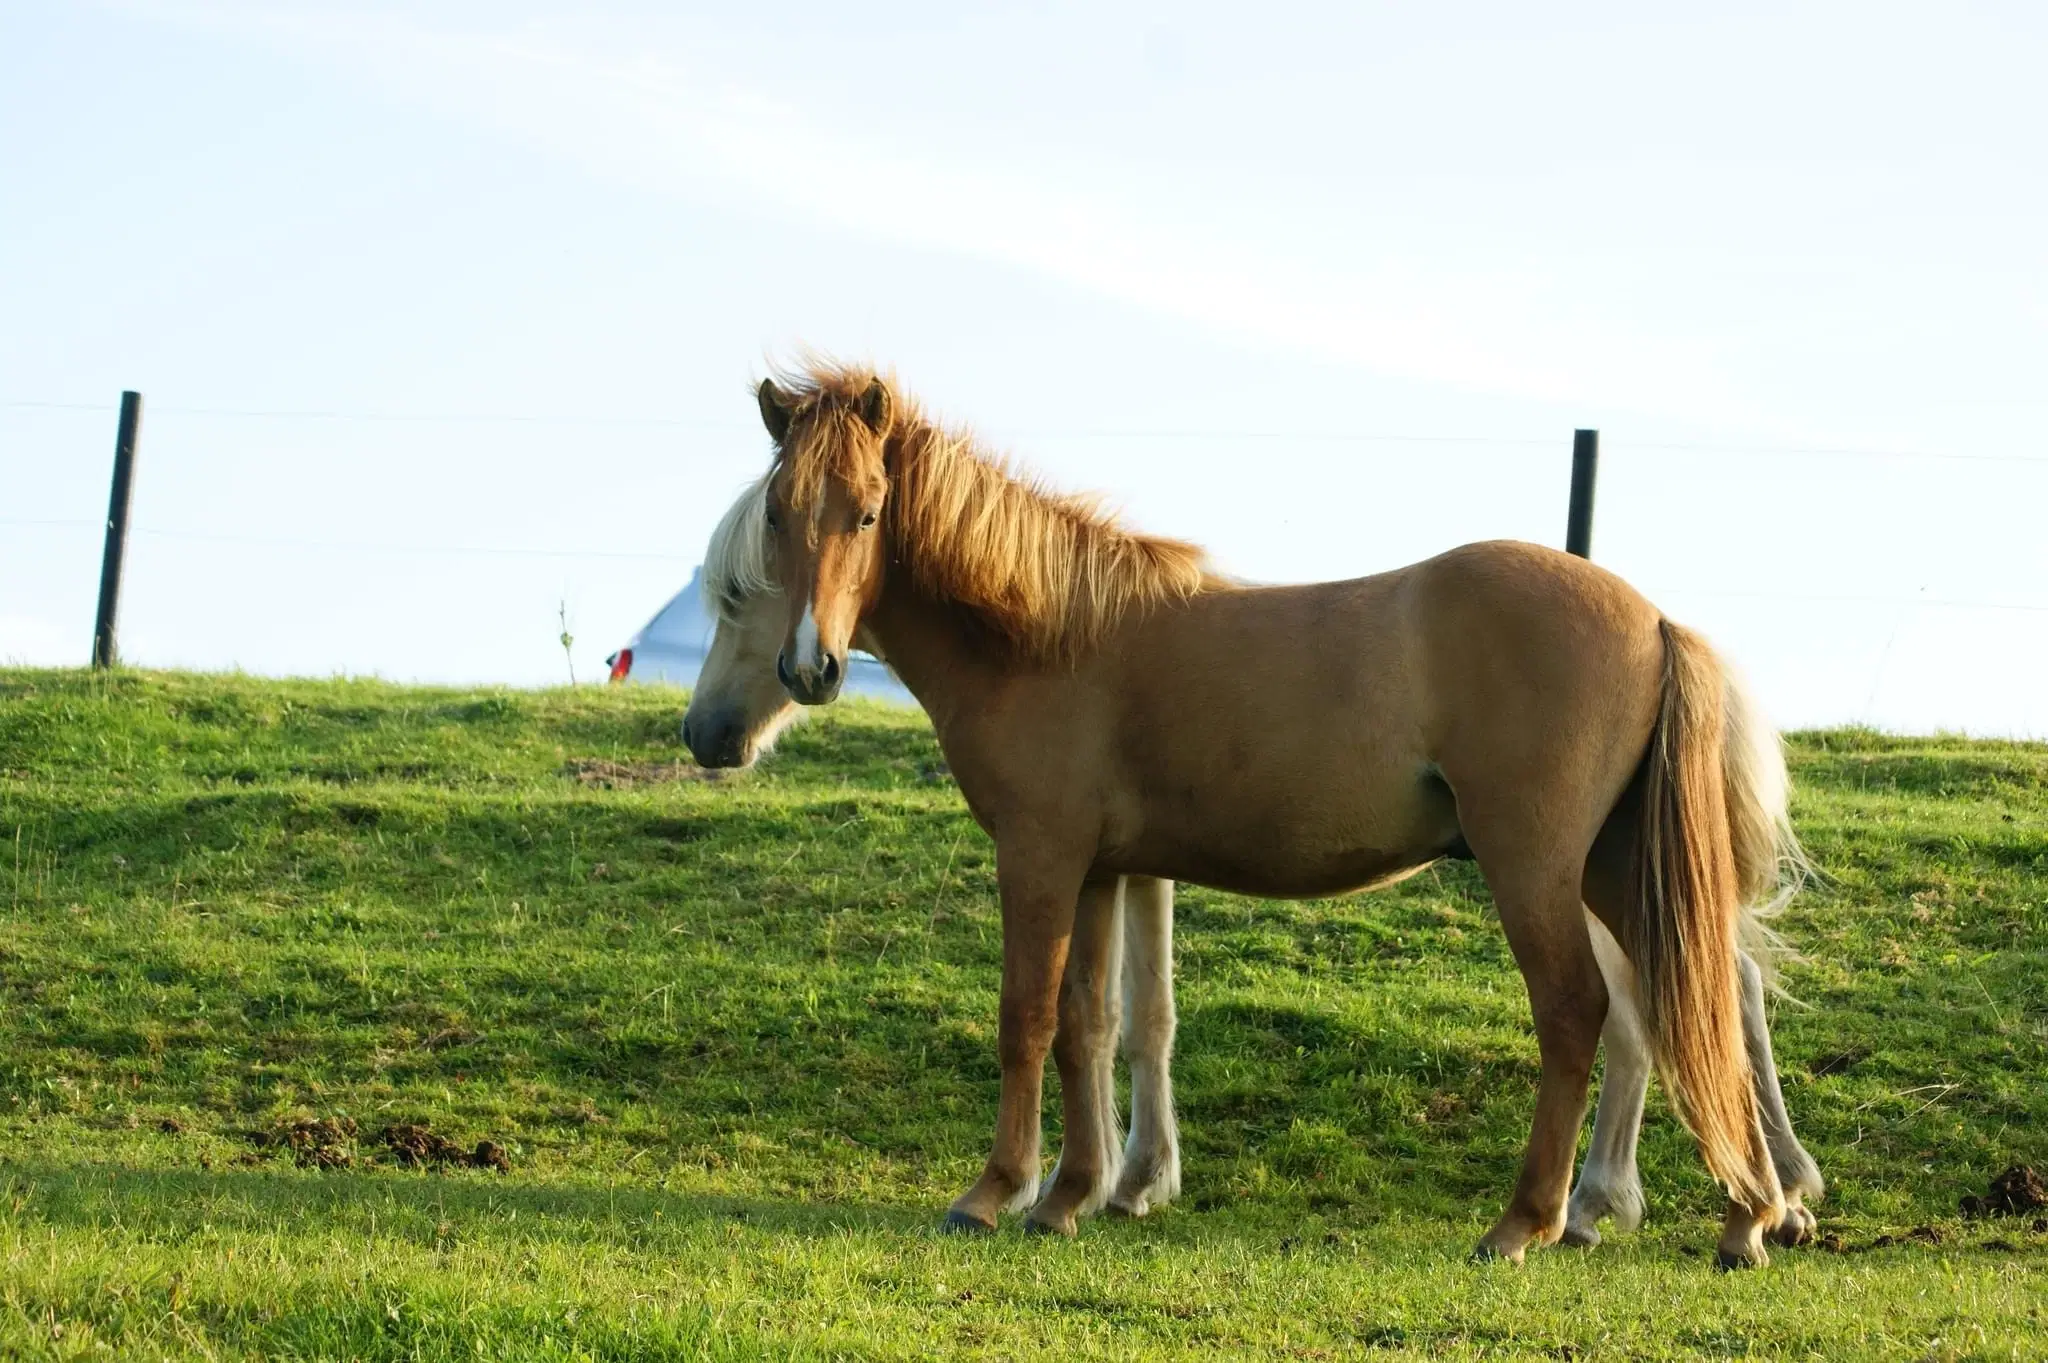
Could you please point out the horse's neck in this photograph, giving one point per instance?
(925, 647)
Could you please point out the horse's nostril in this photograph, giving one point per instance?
(687, 742)
(782, 671)
(831, 670)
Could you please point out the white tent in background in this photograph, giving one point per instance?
(671, 648)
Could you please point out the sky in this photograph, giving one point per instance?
(445, 315)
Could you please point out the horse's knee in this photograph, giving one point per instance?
(1080, 1045)
(1025, 1031)
(1148, 1028)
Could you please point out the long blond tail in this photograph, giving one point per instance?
(1689, 907)
(1770, 865)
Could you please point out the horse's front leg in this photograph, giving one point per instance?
(1038, 917)
(1084, 1050)
(1151, 1174)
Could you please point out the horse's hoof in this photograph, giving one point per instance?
(1579, 1237)
(1063, 1229)
(1488, 1254)
(958, 1222)
(1729, 1262)
(1798, 1227)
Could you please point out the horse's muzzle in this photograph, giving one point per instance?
(716, 741)
(807, 686)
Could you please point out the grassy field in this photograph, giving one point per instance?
(736, 1041)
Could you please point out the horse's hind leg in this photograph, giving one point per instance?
(1610, 1184)
(1084, 1049)
(1610, 1163)
(1151, 1175)
(1796, 1169)
(1537, 893)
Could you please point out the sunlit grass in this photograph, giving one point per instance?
(738, 1038)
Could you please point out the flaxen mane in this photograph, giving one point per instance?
(1050, 573)
(736, 566)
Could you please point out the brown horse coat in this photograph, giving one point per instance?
(1109, 708)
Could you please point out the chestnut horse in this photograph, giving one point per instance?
(1110, 707)
(737, 709)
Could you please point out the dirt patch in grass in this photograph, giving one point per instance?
(314, 1143)
(608, 775)
(331, 1143)
(1930, 1235)
(416, 1147)
(1919, 1235)
(2015, 1192)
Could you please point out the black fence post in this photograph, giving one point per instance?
(103, 649)
(1578, 533)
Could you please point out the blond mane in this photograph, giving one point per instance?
(1050, 574)
(736, 566)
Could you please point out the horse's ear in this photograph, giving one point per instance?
(877, 408)
(774, 409)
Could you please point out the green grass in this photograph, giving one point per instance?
(739, 1041)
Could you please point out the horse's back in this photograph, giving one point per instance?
(1341, 716)
(1497, 616)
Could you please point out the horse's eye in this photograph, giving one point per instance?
(774, 524)
(867, 522)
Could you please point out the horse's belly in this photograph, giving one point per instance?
(1296, 853)
(1304, 878)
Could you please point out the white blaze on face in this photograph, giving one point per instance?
(808, 658)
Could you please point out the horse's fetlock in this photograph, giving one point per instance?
(1025, 1194)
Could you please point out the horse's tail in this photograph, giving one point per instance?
(1770, 865)
(1698, 850)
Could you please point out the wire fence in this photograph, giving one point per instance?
(1848, 464)
(1096, 433)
